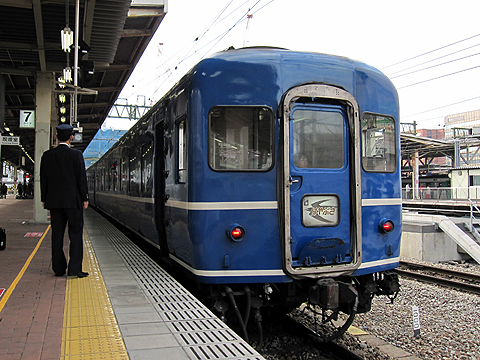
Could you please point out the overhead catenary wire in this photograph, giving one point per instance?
(431, 51)
(433, 66)
(214, 22)
(438, 77)
(243, 18)
(432, 60)
(192, 44)
(189, 54)
(231, 28)
(441, 107)
(195, 42)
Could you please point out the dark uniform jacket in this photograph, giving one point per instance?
(63, 179)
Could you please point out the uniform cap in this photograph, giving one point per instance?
(65, 128)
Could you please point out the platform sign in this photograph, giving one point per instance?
(10, 140)
(33, 234)
(27, 119)
(1, 292)
(416, 321)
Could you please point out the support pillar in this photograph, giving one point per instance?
(456, 158)
(415, 176)
(2, 117)
(15, 181)
(43, 102)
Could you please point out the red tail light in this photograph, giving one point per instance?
(236, 232)
(386, 226)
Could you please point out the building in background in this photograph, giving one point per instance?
(438, 134)
(465, 120)
(465, 125)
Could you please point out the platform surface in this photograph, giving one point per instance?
(127, 308)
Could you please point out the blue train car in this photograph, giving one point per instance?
(271, 169)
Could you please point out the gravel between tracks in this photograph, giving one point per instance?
(450, 319)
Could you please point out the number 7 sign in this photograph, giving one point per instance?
(27, 118)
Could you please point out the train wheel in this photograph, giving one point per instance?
(327, 324)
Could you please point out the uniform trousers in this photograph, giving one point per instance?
(59, 219)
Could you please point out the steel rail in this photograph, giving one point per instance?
(449, 272)
(475, 289)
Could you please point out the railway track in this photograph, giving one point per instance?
(286, 337)
(455, 279)
(336, 350)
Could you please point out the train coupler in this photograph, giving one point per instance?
(332, 295)
(325, 293)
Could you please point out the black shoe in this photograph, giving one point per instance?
(81, 274)
(60, 274)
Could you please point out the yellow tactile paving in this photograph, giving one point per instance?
(90, 330)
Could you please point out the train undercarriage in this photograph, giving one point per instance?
(331, 302)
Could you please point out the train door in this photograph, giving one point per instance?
(159, 186)
(321, 181)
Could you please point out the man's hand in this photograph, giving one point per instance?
(85, 204)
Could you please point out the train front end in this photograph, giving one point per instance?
(297, 197)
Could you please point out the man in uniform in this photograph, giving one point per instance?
(63, 183)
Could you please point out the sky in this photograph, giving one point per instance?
(429, 49)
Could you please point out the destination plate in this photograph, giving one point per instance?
(320, 210)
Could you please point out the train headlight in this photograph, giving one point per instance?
(386, 226)
(236, 232)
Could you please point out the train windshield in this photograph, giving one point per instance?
(378, 143)
(241, 138)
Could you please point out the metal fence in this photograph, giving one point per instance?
(442, 193)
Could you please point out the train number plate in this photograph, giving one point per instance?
(320, 210)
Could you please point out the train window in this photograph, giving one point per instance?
(134, 174)
(113, 176)
(378, 143)
(102, 178)
(318, 139)
(147, 178)
(241, 138)
(181, 152)
(124, 175)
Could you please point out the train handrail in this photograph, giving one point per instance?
(470, 226)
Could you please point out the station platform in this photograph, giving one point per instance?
(127, 308)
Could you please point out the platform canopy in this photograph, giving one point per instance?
(116, 33)
(428, 149)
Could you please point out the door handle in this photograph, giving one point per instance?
(291, 181)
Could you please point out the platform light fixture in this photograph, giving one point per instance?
(62, 98)
(61, 82)
(67, 39)
(67, 74)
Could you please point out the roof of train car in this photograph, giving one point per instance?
(274, 57)
(286, 69)
(262, 53)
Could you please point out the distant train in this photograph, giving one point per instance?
(271, 177)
